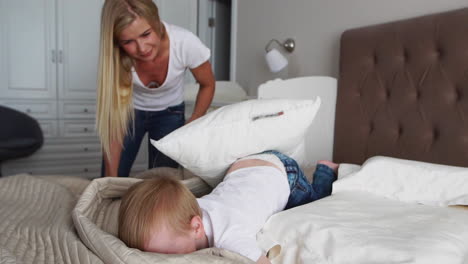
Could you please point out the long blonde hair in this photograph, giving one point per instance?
(114, 93)
(152, 204)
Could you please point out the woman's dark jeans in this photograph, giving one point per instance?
(158, 124)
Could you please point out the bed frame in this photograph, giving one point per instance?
(403, 91)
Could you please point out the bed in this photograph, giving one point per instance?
(401, 93)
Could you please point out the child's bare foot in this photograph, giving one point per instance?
(329, 164)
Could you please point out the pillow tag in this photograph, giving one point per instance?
(267, 116)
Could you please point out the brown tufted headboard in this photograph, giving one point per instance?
(403, 91)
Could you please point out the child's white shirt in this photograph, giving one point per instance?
(240, 205)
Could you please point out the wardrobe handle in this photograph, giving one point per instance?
(60, 56)
(54, 56)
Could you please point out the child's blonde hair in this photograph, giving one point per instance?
(151, 204)
(114, 88)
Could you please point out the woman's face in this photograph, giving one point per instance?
(140, 41)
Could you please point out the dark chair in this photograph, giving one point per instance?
(20, 135)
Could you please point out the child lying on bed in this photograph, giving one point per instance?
(162, 215)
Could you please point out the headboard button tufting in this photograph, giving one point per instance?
(428, 108)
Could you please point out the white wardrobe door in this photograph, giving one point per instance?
(27, 49)
(79, 29)
(182, 13)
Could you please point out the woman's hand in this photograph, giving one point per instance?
(112, 166)
(204, 76)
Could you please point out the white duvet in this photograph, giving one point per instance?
(359, 227)
(366, 222)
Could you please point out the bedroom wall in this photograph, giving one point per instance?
(316, 26)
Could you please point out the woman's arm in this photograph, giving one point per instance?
(112, 166)
(204, 76)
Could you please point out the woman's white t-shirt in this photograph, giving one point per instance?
(185, 51)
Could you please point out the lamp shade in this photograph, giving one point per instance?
(275, 60)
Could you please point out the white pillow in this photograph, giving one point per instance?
(409, 181)
(210, 144)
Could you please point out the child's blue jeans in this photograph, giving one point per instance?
(302, 191)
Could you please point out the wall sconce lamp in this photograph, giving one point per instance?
(275, 60)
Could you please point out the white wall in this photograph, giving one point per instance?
(316, 25)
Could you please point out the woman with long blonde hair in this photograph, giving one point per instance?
(142, 65)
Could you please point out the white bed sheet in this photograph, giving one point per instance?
(359, 227)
